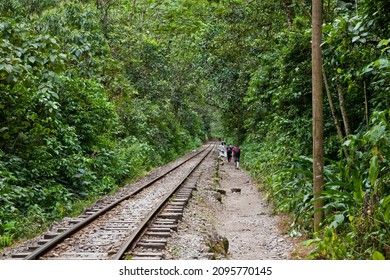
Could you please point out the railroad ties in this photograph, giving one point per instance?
(149, 236)
(51, 236)
(153, 242)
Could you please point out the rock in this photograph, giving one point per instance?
(217, 196)
(221, 191)
(236, 190)
(218, 244)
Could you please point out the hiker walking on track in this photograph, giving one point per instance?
(229, 152)
(236, 156)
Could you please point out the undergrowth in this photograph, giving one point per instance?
(356, 194)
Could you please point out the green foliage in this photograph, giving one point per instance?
(356, 195)
(330, 246)
(83, 111)
(355, 58)
(278, 125)
(6, 238)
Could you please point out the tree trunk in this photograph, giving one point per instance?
(334, 113)
(290, 13)
(343, 109)
(239, 128)
(328, 13)
(318, 149)
(134, 11)
(366, 109)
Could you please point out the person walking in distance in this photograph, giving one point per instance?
(222, 149)
(229, 152)
(236, 156)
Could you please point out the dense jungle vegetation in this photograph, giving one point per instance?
(96, 93)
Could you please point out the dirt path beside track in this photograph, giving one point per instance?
(242, 219)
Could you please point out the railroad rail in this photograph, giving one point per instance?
(151, 235)
(52, 240)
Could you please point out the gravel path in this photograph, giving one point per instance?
(247, 222)
(221, 224)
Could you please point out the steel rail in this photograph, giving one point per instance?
(58, 239)
(131, 241)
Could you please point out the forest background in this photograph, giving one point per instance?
(94, 94)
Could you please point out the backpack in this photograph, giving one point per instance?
(228, 149)
(237, 151)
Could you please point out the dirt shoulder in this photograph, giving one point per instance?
(220, 223)
(247, 221)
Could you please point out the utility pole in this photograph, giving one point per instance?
(317, 101)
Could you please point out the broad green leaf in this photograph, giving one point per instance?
(378, 256)
(347, 143)
(8, 68)
(53, 57)
(338, 219)
(357, 26)
(374, 169)
(383, 42)
(376, 133)
(354, 39)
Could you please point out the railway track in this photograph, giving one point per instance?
(148, 241)
(133, 224)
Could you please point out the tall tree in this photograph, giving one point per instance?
(318, 150)
(343, 110)
(334, 113)
(290, 13)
